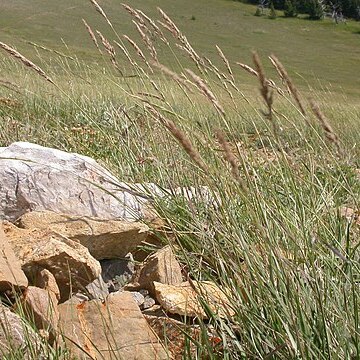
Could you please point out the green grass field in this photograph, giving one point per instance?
(278, 243)
(321, 53)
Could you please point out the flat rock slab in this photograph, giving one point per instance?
(71, 263)
(186, 299)
(105, 239)
(11, 274)
(114, 329)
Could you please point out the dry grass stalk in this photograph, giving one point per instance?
(180, 136)
(158, 97)
(249, 69)
(228, 155)
(10, 85)
(265, 90)
(206, 91)
(193, 56)
(110, 50)
(146, 41)
(226, 62)
(170, 24)
(125, 52)
(92, 35)
(283, 81)
(270, 82)
(50, 50)
(291, 86)
(166, 71)
(214, 69)
(134, 13)
(138, 51)
(157, 89)
(168, 28)
(14, 53)
(101, 12)
(156, 29)
(328, 130)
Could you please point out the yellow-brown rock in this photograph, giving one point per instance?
(71, 263)
(114, 329)
(185, 299)
(105, 239)
(11, 274)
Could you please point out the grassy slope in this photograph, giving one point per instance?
(314, 50)
(277, 242)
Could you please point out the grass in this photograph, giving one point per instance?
(274, 238)
(321, 53)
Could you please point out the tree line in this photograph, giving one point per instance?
(316, 9)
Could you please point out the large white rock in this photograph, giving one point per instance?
(33, 177)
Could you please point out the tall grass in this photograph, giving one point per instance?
(278, 174)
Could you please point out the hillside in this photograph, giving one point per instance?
(324, 54)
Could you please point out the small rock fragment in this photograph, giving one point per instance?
(117, 272)
(185, 299)
(40, 308)
(161, 267)
(11, 274)
(148, 303)
(138, 297)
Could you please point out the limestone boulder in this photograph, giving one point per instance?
(34, 177)
(71, 263)
(11, 274)
(114, 329)
(187, 298)
(105, 239)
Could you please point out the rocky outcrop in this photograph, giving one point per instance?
(112, 329)
(75, 235)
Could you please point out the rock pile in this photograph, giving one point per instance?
(70, 234)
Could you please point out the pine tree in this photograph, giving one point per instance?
(290, 9)
(315, 10)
